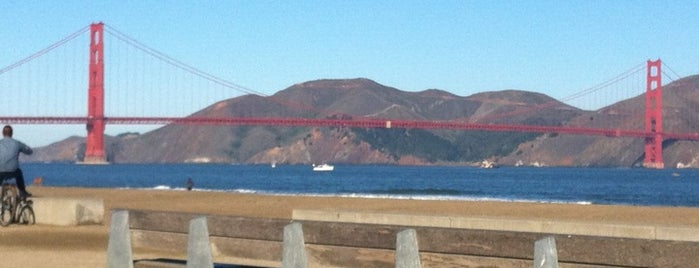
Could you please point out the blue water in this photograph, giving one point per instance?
(648, 187)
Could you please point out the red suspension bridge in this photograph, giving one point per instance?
(98, 116)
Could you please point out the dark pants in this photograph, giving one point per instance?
(18, 176)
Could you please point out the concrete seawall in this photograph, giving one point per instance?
(621, 230)
(360, 239)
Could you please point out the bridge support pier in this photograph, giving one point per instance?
(94, 143)
(654, 117)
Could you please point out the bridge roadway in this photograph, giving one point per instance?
(361, 123)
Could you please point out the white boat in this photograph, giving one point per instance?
(323, 167)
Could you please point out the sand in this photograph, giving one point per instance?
(85, 246)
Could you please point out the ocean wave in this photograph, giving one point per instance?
(410, 191)
(447, 195)
(400, 194)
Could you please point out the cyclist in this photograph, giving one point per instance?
(9, 159)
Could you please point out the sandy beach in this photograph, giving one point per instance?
(85, 246)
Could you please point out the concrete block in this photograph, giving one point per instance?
(294, 247)
(545, 253)
(68, 211)
(683, 233)
(119, 252)
(198, 246)
(407, 250)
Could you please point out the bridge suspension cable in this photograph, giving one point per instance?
(636, 87)
(165, 58)
(636, 69)
(45, 50)
(672, 75)
(215, 79)
(199, 73)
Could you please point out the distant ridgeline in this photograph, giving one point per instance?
(363, 98)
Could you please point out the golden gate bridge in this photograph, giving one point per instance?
(96, 119)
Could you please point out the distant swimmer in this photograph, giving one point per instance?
(189, 184)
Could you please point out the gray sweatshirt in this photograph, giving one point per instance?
(9, 153)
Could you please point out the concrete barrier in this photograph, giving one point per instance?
(407, 249)
(294, 247)
(545, 253)
(198, 245)
(68, 211)
(331, 243)
(638, 231)
(119, 254)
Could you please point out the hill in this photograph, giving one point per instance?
(354, 98)
(680, 115)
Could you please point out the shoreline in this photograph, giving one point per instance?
(282, 205)
(373, 196)
(85, 246)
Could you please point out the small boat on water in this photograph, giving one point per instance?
(323, 167)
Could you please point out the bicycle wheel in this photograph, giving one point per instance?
(26, 216)
(5, 215)
(9, 200)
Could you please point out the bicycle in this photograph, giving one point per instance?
(15, 208)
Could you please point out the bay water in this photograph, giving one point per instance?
(623, 186)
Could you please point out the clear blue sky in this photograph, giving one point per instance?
(553, 47)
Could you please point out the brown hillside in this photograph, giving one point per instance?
(365, 98)
(350, 98)
(680, 115)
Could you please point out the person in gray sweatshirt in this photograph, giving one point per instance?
(9, 159)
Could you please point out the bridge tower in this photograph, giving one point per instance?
(94, 144)
(654, 116)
